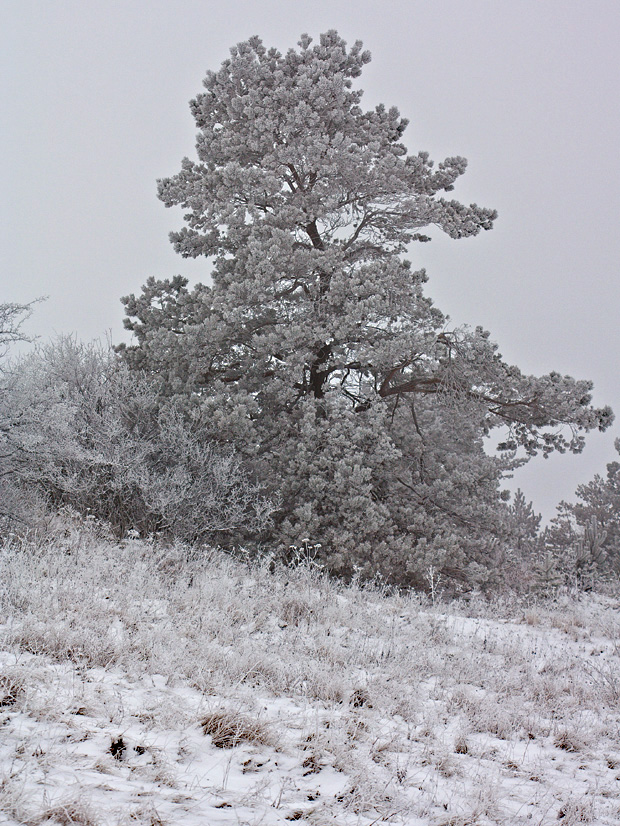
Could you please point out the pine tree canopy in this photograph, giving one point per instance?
(314, 349)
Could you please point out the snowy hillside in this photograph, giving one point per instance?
(141, 687)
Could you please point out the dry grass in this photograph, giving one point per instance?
(413, 713)
(228, 729)
(71, 813)
(12, 688)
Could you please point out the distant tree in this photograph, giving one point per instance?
(600, 499)
(523, 524)
(519, 544)
(315, 349)
(589, 528)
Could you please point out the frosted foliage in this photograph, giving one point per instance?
(12, 316)
(90, 434)
(315, 349)
(589, 528)
(284, 142)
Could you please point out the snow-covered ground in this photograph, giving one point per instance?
(140, 687)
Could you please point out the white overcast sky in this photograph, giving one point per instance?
(94, 110)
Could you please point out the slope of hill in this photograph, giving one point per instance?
(141, 685)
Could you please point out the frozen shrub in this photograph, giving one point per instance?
(96, 437)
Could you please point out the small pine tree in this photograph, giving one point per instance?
(547, 574)
(589, 528)
(590, 555)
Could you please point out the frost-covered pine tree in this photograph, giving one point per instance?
(523, 525)
(591, 523)
(315, 349)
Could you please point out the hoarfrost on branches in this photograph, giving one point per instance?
(316, 350)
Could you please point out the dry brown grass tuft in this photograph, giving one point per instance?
(12, 689)
(570, 740)
(578, 811)
(461, 745)
(72, 813)
(461, 820)
(230, 728)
